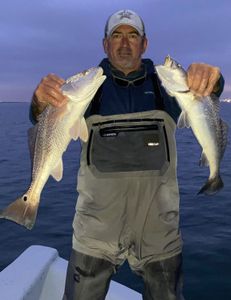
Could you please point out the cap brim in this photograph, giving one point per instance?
(115, 27)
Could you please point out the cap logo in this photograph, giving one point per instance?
(125, 14)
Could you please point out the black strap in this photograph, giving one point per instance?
(95, 104)
(159, 99)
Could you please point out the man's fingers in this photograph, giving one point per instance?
(190, 75)
(49, 91)
(196, 77)
(56, 102)
(203, 84)
(48, 95)
(54, 80)
(213, 80)
(202, 78)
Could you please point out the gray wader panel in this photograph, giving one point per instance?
(128, 204)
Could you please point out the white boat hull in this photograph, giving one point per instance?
(39, 274)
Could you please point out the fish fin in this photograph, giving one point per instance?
(75, 130)
(203, 162)
(21, 211)
(57, 172)
(83, 131)
(212, 186)
(79, 130)
(183, 120)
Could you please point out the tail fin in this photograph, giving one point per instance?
(212, 186)
(21, 211)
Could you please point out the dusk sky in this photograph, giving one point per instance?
(65, 37)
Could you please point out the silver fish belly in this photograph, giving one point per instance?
(49, 139)
(202, 115)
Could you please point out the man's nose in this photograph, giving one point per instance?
(125, 40)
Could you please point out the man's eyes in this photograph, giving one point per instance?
(132, 35)
(116, 35)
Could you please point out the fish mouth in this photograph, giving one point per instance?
(99, 72)
(168, 62)
(99, 76)
(96, 72)
(171, 63)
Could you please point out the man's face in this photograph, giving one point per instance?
(124, 48)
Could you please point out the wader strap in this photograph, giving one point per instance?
(95, 104)
(159, 100)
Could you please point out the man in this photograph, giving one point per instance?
(128, 204)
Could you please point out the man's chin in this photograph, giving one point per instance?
(125, 61)
(125, 57)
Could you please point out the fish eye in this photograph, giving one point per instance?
(85, 72)
(176, 65)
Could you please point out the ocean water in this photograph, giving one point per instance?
(205, 221)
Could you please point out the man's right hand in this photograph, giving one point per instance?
(48, 92)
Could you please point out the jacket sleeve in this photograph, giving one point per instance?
(32, 116)
(220, 86)
(35, 110)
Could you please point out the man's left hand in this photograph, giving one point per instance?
(203, 79)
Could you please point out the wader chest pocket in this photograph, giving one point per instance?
(128, 147)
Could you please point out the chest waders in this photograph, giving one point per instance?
(128, 203)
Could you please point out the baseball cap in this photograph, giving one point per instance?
(124, 17)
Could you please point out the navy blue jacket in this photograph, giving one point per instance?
(119, 99)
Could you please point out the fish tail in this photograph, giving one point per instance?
(22, 211)
(212, 186)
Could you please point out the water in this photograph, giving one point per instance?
(205, 221)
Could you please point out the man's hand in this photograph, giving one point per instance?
(203, 79)
(49, 91)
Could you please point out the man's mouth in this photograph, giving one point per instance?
(124, 52)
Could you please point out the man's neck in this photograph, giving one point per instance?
(126, 72)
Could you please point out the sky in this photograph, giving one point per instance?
(39, 37)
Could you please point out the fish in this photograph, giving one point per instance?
(49, 139)
(201, 114)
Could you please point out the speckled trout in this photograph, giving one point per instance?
(202, 115)
(49, 139)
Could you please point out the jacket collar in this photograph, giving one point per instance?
(147, 66)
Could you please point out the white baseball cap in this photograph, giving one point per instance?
(124, 17)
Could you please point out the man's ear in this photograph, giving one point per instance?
(105, 45)
(145, 44)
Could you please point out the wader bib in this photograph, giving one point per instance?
(128, 203)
